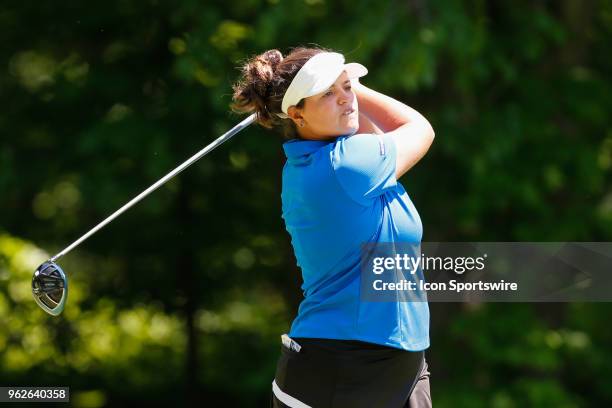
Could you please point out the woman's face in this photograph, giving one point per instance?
(329, 114)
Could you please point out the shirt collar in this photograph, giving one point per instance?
(296, 148)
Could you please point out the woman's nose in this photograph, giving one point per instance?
(346, 96)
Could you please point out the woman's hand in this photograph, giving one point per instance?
(355, 83)
(366, 125)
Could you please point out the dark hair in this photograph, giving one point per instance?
(263, 83)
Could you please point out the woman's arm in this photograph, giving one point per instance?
(412, 133)
(367, 126)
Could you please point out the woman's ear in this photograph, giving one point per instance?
(296, 116)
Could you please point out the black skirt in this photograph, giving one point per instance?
(327, 373)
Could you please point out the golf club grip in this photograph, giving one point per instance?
(221, 139)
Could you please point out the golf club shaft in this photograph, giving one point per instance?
(240, 126)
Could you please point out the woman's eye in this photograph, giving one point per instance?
(329, 93)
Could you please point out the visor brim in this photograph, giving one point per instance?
(355, 70)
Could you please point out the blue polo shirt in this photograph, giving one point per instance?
(337, 195)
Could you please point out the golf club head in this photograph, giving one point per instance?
(50, 288)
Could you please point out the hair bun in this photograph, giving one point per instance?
(260, 69)
(273, 57)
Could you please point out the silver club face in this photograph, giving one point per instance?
(50, 288)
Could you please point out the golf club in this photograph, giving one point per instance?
(49, 283)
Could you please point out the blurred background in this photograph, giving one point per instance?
(182, 300)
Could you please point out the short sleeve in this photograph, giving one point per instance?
(364, 165)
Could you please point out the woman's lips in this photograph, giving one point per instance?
(348, 112)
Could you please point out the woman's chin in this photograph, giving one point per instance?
(352, 128)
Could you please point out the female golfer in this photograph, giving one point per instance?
(347, 147)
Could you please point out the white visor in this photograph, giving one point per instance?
(317, 75)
